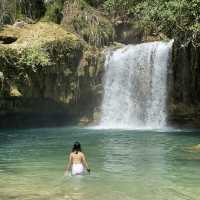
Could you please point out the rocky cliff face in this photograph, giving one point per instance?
(184, 93)
(45, 74)
(51, 74)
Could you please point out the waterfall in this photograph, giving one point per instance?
(135, 86)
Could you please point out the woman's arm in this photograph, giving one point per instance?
(85, 163)
(68, 166)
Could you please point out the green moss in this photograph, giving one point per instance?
(39, 34)
(65, 52)
(34, 57)
(195, 27)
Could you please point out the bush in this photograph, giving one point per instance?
(169, 17)
(54, 11)
(33, 9)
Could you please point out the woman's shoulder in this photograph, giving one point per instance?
(71, 154)
(81, 153)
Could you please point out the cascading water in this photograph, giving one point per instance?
(135, 87)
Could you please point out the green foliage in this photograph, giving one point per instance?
(8, 57)
(95, 31)
(7, 11)
(64, 52)
(167, 16)
(87, 22)
(122, 8)
(195, 27)
(54, 11)
(170, 16)
(34, 58)
(33, 9)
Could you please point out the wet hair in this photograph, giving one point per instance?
(77, 147)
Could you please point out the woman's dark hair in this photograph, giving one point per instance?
(77, 147)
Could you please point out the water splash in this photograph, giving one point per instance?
(135, 88)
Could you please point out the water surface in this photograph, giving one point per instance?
(125, 164)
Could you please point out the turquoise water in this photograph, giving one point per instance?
(125, 164)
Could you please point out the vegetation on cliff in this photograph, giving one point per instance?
(46, 64)
(54, 11)
(169, 17)
(157, 16)
(40, 50)
(87, 22)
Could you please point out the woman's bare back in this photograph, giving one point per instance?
(77, 158)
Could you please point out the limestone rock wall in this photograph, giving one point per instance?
(57, 74)
(184, 89)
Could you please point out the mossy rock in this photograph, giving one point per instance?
(36, 63)
(38, 34)
(36, 44)
(47, 65)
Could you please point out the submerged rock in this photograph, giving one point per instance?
(195, 148)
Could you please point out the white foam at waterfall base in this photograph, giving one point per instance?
(135, 87)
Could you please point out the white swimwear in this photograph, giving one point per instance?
(77, 169)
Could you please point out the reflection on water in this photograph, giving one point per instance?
(135, 165)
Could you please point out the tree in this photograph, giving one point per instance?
(33, 9)
(7, 11)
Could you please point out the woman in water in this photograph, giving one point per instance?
(77, 162)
